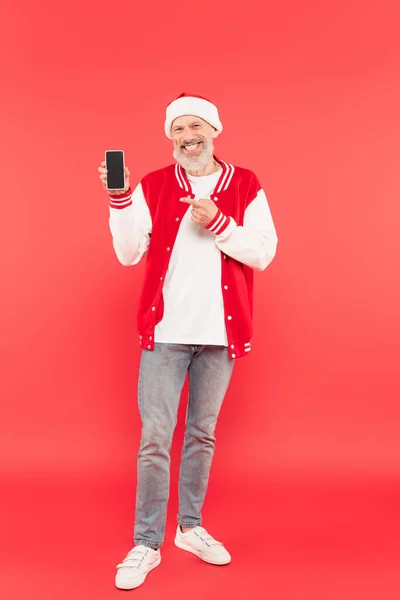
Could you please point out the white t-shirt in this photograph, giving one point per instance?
(193, 303)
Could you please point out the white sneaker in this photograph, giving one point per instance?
(136, 565)
(199, 542)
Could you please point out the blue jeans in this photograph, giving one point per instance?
(161, 378)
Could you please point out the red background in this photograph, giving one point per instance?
(304, 487)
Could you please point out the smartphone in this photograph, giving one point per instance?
(115, 164)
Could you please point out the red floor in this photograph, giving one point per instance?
(297, 540)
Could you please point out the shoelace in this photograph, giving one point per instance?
(130, 560)
(208, 539)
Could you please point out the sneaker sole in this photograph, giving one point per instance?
(183, 546)
(128, 585)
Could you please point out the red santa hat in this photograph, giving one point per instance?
(189, 104)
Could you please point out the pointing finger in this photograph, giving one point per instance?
(189, 200)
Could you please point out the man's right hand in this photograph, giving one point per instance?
(103, 178)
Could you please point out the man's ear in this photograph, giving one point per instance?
(215, 133)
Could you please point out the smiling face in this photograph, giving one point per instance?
(193, 140)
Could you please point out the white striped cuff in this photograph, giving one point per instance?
(121, 201)
(219, 223)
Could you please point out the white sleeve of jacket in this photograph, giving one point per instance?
(253, 244)
(130, 226)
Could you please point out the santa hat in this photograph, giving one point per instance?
(189, 104)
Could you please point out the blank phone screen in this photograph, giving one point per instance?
(115, 169)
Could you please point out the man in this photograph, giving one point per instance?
(205, 225)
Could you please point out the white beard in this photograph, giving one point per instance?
(193, 164)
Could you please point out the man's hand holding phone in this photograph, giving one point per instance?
(120, 174)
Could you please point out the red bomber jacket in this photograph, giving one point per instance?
(162, 189)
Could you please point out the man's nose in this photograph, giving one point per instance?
(187, 134)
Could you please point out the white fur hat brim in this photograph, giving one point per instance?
(191, 105)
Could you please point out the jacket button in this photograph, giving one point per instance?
(233, 355)
(168, 249)
(154, 308)
(149, 347)
(161, 278)
(225, 287)
(232, 346)
(150, 337)
(177, 219)
(229, 318)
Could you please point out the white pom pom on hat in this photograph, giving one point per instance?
(190, 104)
